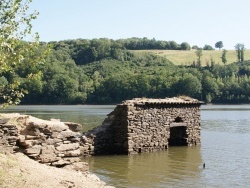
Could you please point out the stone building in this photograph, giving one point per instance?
(146, 125)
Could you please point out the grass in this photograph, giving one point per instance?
(180, 57)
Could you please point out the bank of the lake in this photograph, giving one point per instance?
(49, 144)
(225, 138)
(19, 171)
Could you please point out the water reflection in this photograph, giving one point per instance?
(159, 169)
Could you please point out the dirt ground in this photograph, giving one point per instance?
(17, 170)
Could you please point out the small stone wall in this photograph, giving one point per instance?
(8, 135)
(146, 125)
(51, 142)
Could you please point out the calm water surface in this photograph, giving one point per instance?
(88, 115)
(225, 138)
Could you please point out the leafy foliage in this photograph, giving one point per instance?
(223, 57)
(106, 71)
(240, 48)
(185, 46)
(103, 71)
(219, 44)
(19, 60)
(208, 47)
(198, 54)
(118, 74)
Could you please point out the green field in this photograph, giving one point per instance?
(180, 57)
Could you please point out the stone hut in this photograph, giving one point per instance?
(146, 125)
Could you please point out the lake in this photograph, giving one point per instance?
(225, 140)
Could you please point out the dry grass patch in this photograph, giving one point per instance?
(180, 57)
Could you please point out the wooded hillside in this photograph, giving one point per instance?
(105, 71)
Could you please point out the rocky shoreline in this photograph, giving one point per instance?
(26, 142)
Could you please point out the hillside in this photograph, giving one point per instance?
(104, 71)
(181, 57)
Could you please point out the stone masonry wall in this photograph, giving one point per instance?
(53, 142)
(146, 125)
(8, 135)
(120, 130)
(149, 125)
(101, 138)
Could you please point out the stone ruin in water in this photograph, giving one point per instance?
(146, 125)
(135, 126)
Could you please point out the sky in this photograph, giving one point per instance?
(197, 22)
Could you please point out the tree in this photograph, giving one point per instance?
(60, 89)
(223, 57)
(185, 46)
(188, 85)
(173, 45)
(242, 52)
(15, 26)
(210, 88)
(240, 48)
(198, 54)
(219, 44)
(195, 47)
(208, 47)
(237, 48)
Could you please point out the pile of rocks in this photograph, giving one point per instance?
(52, 142)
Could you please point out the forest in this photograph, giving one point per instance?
(106, 71)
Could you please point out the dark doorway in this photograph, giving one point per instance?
(178, 136)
